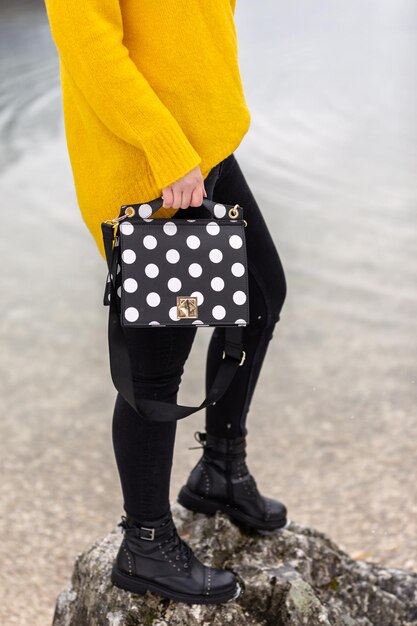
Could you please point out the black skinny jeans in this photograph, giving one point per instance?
(144, 449)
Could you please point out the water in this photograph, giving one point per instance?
(331, 158)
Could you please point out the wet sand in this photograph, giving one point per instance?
(331, 158)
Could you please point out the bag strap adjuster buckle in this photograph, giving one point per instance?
(242, 357)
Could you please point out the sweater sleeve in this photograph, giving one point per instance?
(88, 35)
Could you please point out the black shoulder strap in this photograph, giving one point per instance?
(120, 367)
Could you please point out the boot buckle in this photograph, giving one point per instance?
(150, 530)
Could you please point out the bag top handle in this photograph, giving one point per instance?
(145, 210)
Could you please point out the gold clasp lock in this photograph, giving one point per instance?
(129, 212)
(187, 307)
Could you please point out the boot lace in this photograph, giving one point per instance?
(123, 523)
(175, 543)
(200, 438)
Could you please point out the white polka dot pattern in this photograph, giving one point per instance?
(215, 255)
(174, 284)
(238, 269)
(173, 313)
(219, 312)
(199, 296)
(151, 270)
(126, 228)
(153, 298)
(149, 241)
(172, 256)
(236, 241)
(193, 242)
(213, 228)
(170, 228)
(217, 283)
(130, 285)
(195, 270)
(239, 297)
(128, 256)
(219, 210)
(145, 210)
(131, 314)
(162, 260)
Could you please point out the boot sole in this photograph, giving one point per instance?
(199, 504)
(140, 586)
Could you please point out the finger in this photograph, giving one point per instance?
(197, 197)
(168, 197)
(176, 204)
(186, 198)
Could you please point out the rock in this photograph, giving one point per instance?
(295, 577)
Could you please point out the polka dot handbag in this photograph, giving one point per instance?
(176, 272)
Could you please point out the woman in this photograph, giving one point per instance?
(154, 105)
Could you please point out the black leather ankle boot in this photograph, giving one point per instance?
(221, 481)
(153, 557)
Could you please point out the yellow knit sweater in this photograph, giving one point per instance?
(150, 90)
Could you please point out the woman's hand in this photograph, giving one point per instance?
(187, 191)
